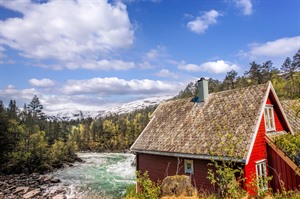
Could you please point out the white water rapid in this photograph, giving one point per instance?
(101, 175)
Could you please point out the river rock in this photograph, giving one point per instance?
(32, 194)
(59, 196)
(21, 189)
(45, 178)
(59, 191)
(55, 180)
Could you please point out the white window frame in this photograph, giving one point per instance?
(188, 166)
(261, 174)
(269, 118)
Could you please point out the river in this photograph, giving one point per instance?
(100, 175)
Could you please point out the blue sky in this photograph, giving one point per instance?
(91, 54)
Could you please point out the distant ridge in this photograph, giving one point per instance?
(118, 109)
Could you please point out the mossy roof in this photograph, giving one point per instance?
(226, 120)
(290, 107)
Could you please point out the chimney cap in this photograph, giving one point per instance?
(201, 79)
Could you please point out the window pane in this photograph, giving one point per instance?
(266, 112)
(261, 175)
(271, 123)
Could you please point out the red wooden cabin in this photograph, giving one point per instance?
(184, 135)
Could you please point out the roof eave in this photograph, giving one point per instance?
(191, 156)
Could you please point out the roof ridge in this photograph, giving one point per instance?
(240, 88)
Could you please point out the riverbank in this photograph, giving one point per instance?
(100, 175)
(17, 186)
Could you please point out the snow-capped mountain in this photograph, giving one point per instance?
(113, 109)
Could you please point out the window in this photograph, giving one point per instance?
(269, 118)
(261, 175)
(188, 166)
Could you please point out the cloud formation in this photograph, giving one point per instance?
(166, 73)
(201, 23)
(216, 67)
(245, 5)
(159, 51)
(115, 86)
(12, 93)
(41, 82)
(90, 94)
(280, 48)
(67, 30)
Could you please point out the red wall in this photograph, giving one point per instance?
(259, 151)
(283, 172)
(158, 169)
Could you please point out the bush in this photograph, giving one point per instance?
(148, 189)
(290, 144)
(131, 191)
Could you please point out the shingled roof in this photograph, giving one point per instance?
(290, 107)
(202, 129)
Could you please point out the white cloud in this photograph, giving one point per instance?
(190, 67)
(145, 65)
(41, 82)
(91, 94)
(215, 67)
(159, 51)
(67, 30)
(166, 73)
(245, 5)
(108, 65)
(12, 93)
(280, 48)
(201, 23)
(116, 86)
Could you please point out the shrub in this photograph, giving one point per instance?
(148, 189)
(290, 144)
(130, 191)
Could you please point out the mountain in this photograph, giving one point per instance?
(116, 109)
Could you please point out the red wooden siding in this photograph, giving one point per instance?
(283, 172)
(161, 166)
(259, 152)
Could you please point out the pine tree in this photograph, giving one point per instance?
(230, 79)
(288, 68)
(267, 71)
(296, 60)
(255, 73)
(36, 108)
(12, 109)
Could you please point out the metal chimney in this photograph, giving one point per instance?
(202, 89)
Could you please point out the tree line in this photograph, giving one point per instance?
(33, 142)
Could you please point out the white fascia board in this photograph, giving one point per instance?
(262, 108)
(281, 110)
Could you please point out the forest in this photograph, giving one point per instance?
(31, 141)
